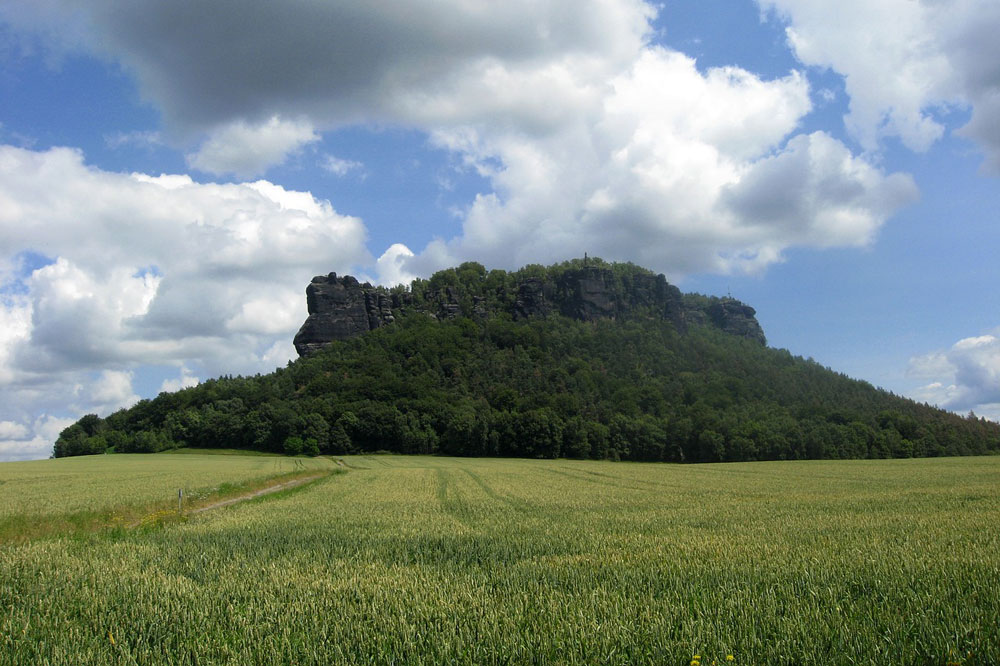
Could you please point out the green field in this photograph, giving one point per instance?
(95, 490)
(410, 560)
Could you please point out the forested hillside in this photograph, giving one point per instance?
(488, 384)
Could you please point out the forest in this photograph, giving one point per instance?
(631, 388)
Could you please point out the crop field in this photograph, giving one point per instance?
(96, 489)
(420, 560)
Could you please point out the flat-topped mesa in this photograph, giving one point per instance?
(341, 307)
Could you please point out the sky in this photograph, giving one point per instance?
(173, 174)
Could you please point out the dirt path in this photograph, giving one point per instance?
(257, 493)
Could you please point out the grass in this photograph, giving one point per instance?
(218, 452)
(433, 560)
(87, 493)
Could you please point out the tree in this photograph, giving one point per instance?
(576, 443)
(711, 446)
(538, 433)
(340, 441)
(310, 447)
(314, 426)
(74, 441)
(459, 433)
(91, 424)
(294, 445)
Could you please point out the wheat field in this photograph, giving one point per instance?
(424, 560)
(82, 493)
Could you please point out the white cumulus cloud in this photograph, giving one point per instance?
(147, 270)
(30, 442)
(183, 381)
(389, 266)
(249, 150)
(676, 169)
(111, 391)
(591, 138)
(964, 377)
(338, 166)
(904, 63)
(10, 430)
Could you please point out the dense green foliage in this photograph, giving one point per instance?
(544, 387)
(497, 289)
(434, 560)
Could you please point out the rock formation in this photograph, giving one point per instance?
(735, 318)
(341, 307)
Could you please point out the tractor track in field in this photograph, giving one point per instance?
(256, 493)
(218, 504)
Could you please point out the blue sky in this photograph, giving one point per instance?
(172, 175)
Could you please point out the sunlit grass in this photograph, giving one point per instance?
(90, 492)
(432, 560)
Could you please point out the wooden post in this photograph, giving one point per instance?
(180, 500)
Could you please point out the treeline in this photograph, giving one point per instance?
(497, 289)
(552, 387)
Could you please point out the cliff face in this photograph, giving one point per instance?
(341, 307)
(736, 318)
(591, 293)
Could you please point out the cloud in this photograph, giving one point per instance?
(936, 56)
(970, 29)
(249, 150)
(110, 392)
(814, 192)
(280, 353)
(10, 430)
(205, 64)
(65, 297)
(141, 139)
(338, 166)
(984, 128)
(20, 445)
(965, 377)
(147, 270)
(274, 314)
(148, 263)
(679, 170)
(591, 138)
(15, 327)
(389, 266)
(183, 381)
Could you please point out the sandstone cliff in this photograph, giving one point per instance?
(341, 307)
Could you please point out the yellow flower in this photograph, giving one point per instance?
(730, 657)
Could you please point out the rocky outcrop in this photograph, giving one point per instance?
(534, 299)
(589, 293)
(735, 318)
(341, 307)
(592, 293)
